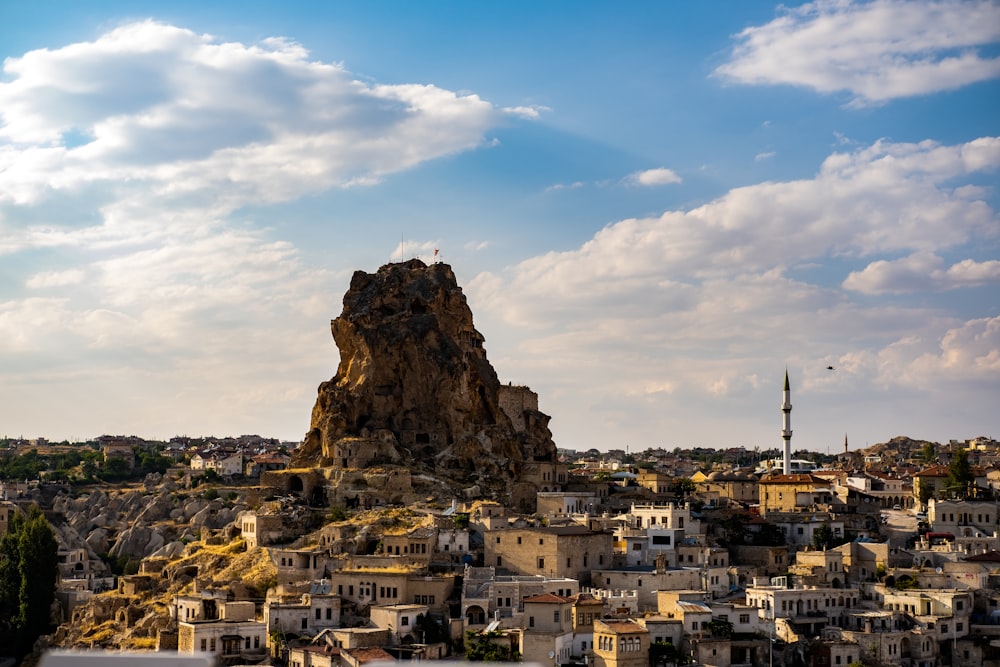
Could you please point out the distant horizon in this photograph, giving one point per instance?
(754, 450)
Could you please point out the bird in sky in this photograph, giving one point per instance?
(830, 368)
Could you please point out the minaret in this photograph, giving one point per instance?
(845, 444)
(786, 424)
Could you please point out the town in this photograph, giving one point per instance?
(648, 559)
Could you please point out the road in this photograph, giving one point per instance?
(901, 526)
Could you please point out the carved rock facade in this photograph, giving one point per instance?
(414, 388)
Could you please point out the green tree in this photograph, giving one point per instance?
(928, 454)
(735, 529)
(925, 491)
(823, 537)
(489, 647)
(29, 566)
(960, 475)
(720, 629)
(682, 487)
(431, 631)
(114, 469)
(665, 653)
(769, 535)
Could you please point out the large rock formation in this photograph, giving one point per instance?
(414, 388)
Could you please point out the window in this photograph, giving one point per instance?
(204, 644)
(555, 616)
(499, 561)
(541, 540)
(212, 645)
(329, 614)
(318, 612)
(499, 602)
(959, 627)
(404, 621)
(637, 546)
(305, 622)
(959, 604)
(498, 539)
(569, 562)
(518, 539)
(541, 563)
(247, 645)
(801, 531)
(531, 621)
(837, 659)
(744, 618)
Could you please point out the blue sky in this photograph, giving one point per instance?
(654, 209)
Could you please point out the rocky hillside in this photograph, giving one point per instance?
(132, 524)
(414, 387)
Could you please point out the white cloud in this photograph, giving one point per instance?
(476, 246)
(708, 300)
(153, 136)
(882, 198)
(530, 112)
(968, 351)
(176, 114)
(55, 279)
(423, 250)
(767, 155)
(565, 186)
(653, 177)
(921, 272)
(878, 51)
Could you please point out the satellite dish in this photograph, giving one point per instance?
(938, 570)
(552, 654)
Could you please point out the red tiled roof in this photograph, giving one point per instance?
(625, 627)
(795, 478)
(374, 654)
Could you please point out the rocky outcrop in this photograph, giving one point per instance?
(414, 388)
(134, 524)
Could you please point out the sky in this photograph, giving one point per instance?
(654, 209)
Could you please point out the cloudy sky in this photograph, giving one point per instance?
(654, 209)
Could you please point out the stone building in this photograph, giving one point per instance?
(488, 596)
(793, 492)
(547, 633)
(309, 613)
(400, 620)
(623, 643)
(570, 551)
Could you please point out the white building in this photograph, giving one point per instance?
(400, 620)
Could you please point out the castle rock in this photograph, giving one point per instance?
(414, 388)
